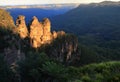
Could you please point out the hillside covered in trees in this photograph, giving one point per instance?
(96, 25)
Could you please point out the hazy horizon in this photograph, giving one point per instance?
(32, 2)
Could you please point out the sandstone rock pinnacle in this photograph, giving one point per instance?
(47, 36)
(40, 32)
(21, 27)
(36, 32)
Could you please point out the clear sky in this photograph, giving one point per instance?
(27, 2)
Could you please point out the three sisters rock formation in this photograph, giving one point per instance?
(39, 32)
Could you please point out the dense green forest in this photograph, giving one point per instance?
(91, 54)
(38, 66)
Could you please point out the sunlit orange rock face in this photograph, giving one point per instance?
(47, 36)
(39, 33)
(6, 20)
(21, 27)
(36, 32)
(54, 34)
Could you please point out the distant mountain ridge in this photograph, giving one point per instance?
(107, 3)
(89, 16)
(43, 6)
(41, 11)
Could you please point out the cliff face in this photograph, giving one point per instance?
(64, 49)
(39, 33)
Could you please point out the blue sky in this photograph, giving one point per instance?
(27, 2)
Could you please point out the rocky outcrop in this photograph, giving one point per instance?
(54, 34)
(60, 33)
(64, 49)
(21, 27)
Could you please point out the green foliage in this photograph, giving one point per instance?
(114, 78)
(78, 81)
(87, 55)
(99, 77)
(86, 78)
(8, 39)
(30, 67)
(61, 46)
(53, 68)
(6, 74)
(103, 72)
(4, 38)
(38, 67)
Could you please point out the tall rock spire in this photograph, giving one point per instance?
(21, 26)
(47, 36)
(36, 32)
